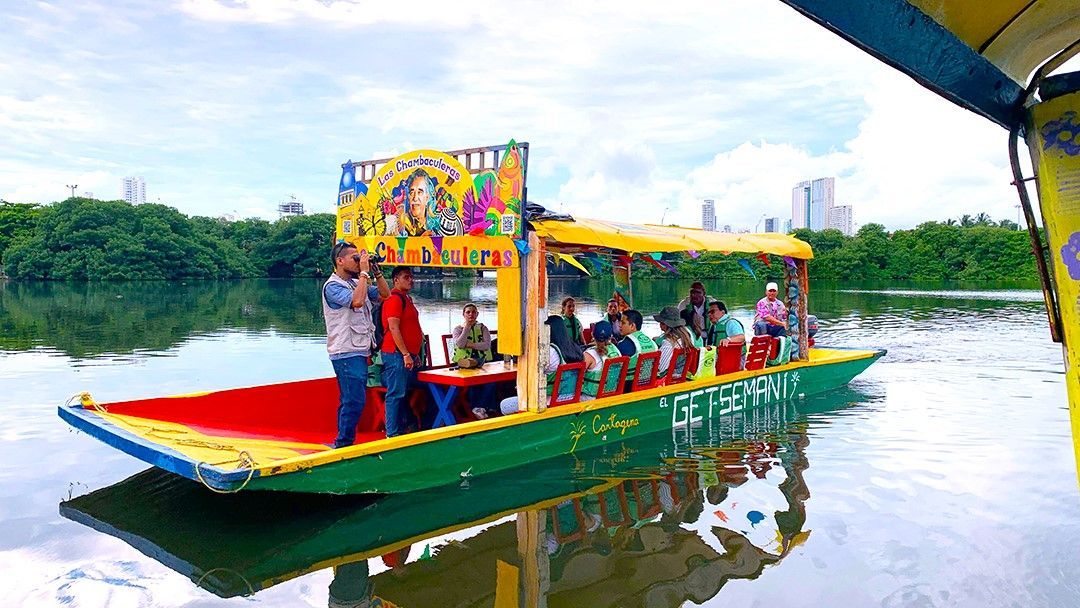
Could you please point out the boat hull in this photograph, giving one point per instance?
(548, 435)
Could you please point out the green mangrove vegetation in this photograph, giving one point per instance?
(87, 239)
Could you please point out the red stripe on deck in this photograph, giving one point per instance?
(304, 411)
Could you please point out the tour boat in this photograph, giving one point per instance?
(275, 437)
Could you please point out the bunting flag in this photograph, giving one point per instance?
(656, 256)
(522, 246)
(746, 266)
(436, 242)
(661, 264)
(790, 262)
(596, 264)
(569, 259)
(764, 257)
(693, 254)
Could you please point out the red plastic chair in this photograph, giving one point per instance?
(613, 385)
(645, 376)
(586, 334)
(446, 347)
(728, 359)
(759, 352)
(679, 368)
(567, 375)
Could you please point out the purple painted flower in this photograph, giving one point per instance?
(1063, 134)
(1070, 255)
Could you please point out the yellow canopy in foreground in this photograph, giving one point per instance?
(648, 238)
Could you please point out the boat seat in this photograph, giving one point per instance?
(680, 366)
(759, 352)
(613, 376)
(569, 378)
(728, 359)
(645, 376)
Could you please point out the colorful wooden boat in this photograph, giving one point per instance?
(275, 437)
(244, 543)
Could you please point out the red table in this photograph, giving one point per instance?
(444, 383)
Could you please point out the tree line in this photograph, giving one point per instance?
(88, 239)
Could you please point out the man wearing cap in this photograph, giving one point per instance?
(594, 357)
(696, 308)
(771, 316)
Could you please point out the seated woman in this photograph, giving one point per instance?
(594, 356)
(472, 348)
(571, 322)
(675, 336)
(560, 350)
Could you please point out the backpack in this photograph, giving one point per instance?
(376, 319)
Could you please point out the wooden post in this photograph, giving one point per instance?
(531, 382)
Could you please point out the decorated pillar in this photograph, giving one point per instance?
(1053, 138)
(795, 290)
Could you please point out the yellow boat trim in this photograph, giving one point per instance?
(648, 238)
(818, 356)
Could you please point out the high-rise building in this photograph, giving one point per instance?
(290, 207)
(134, 190)
(772, 224)
(840, 217)
(810, 203)
(787, 226)
(708, 215)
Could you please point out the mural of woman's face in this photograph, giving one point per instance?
(418, 197)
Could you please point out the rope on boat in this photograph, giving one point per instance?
(244, 459)
(199, 583)
(85, 398)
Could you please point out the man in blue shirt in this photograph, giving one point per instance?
(723, 329)
(347, 300)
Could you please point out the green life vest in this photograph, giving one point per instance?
(643, 344)
(475, 334)
(573, 327)
(719, 331)
(592, 379)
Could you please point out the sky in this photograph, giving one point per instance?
(226, 107)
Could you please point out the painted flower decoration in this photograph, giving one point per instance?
(1070, 256)
(1064, 134)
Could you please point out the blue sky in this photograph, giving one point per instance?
(226, 107)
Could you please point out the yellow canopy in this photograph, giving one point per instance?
(571, 236)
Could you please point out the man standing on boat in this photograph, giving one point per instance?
(348, 296)
(771, 316)
(402, 341)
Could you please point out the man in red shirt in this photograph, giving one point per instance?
(402, 341)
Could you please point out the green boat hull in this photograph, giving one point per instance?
(452, 459)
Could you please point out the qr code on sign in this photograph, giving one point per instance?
(346, 227)
(508, 225)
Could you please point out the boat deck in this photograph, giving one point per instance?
(292, 420)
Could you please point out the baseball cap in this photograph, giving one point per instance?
(602, 330)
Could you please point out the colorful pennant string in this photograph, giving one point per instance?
(522, 246)
(569, 259)
(764, 257)
(693, 254)
(790, 262)
(746, 266)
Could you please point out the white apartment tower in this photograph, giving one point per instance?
(708, 215)
(840, 217)
(134, 190)
(810, 203)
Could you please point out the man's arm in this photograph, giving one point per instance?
(380, 281)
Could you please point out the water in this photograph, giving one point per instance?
(943, 476)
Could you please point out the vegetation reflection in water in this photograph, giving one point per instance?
(87, 320)
(655, 521)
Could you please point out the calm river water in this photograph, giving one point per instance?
(943, 476)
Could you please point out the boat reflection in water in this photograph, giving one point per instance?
(657, 520)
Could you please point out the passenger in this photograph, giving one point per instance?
(725, 329)
(675, 336)
(571, 322)
(348, 296)
(688, 318)
(402, 342)
(594, 358)
(614, 317)
(560, 350)
(771, 316)
(696, 304)
(635, 342)
(472, 348)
